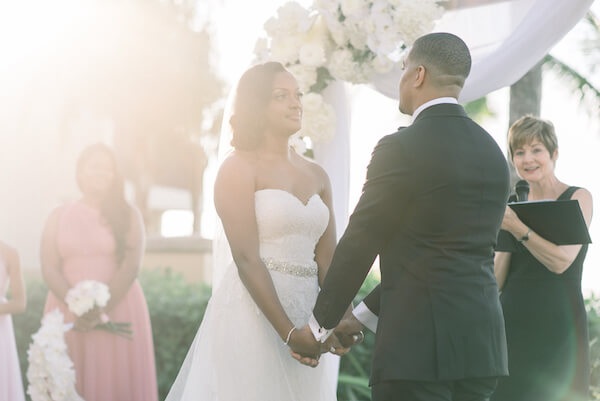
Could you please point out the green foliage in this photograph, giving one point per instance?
(28, 322)
(593, 314)
(176, 310)
(355, 366)
(478, 109)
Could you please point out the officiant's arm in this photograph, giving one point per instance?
(378, 212)
(50, 258)
(556, 258)
(234, 200)
(130, 266)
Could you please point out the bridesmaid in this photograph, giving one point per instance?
(101, 237)
(11, 387)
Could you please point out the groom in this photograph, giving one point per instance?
(431, 208)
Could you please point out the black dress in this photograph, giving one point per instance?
(546, 330)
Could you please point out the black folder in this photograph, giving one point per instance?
(560, 222)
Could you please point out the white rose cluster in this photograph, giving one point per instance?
(318, 119)
(86, 295)
(50, 373)
(375, 31)
(348, 40)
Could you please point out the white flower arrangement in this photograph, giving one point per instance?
(87, 295)
(90, 294)
(50, 373)
(348, 40)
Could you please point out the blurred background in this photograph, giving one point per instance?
(150, 78)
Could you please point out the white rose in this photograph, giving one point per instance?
(261, 50)
(312, 54)
(297, 143)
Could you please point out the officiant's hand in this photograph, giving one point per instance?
(511, 222)
(349, 331)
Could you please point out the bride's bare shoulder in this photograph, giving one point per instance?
(238, 165)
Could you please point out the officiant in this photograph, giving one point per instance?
(545, 317)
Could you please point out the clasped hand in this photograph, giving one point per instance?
(89, 320)
(307, 350)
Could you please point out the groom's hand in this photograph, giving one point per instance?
(349, 331)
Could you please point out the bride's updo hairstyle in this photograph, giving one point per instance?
(252, 96)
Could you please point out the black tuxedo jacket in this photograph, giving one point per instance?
(431, 208)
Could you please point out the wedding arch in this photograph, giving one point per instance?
(361, 41)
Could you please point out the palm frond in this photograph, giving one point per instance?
(588, 92)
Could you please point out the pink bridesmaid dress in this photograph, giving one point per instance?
(108, 367)
(11, 386)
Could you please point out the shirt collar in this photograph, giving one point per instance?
(433, 102)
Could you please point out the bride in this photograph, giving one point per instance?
(275, 207)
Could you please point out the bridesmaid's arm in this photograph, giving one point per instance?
(50, 258)
(556, 258)
(132, 261)
(18, 301)
(501, 266)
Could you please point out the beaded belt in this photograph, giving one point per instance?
(290, 268)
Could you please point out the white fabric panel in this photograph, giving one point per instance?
(334, 157)
(501, 59)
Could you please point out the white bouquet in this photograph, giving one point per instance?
(50, 373)
(90, 294)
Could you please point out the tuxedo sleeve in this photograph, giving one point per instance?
(385, 195)
(372, 300)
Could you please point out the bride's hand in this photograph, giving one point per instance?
(304, 347)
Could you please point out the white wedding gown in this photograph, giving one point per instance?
(237, 355)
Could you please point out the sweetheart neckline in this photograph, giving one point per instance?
(291, 195)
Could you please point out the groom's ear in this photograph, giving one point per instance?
(419, 76)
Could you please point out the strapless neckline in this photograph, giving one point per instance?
(277, 190)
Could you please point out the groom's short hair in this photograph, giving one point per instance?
(445, 56)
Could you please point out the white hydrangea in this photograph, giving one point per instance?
(318, 119)
(414, 19)
(305, 75)
(285, 49)
(342, 66)
(312, 54)
(355, 9)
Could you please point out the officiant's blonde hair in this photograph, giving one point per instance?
(526, 129)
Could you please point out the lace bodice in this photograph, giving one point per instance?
(288, 229)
